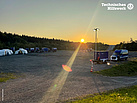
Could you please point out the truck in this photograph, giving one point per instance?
(121, 54)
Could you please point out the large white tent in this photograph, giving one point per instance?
(21, 51)
(8, 51)
(4, 52)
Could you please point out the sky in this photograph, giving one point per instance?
(69, 19)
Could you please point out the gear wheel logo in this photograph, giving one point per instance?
(130, 6)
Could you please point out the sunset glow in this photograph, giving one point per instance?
(67, 20)
(82, 40)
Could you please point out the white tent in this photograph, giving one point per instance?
(2, 52)
(21, 51)
(8, 51)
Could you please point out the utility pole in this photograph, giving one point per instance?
(96, 29)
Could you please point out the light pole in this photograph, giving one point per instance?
(96, 29)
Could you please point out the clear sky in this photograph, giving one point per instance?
(69, 19)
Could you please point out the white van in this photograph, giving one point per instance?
(119, 55)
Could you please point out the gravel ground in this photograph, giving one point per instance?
(40, 70)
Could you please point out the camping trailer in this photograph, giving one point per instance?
(119, 55)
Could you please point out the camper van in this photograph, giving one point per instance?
(119, 55)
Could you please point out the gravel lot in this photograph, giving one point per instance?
(40, 70)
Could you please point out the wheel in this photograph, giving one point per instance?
(118, 58)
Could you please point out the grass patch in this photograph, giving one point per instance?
(125, 69)
(122, 95)
(7, 76)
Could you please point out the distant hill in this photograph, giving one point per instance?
(8, 40)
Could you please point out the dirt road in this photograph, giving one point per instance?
(41, 69)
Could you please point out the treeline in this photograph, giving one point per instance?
(8, 40)
(131, 45)
(100, 46)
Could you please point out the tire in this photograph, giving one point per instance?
(118, 58)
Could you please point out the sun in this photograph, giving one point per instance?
(82, 40)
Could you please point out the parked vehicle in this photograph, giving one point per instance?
(27, 49)
(54, 49)
(89, 49)
(32, 50)
(45, 49)
(119, 55)
(37, 49)
(13, 49)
